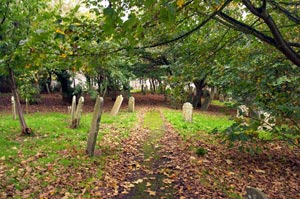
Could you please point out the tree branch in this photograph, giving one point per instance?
(192, 30)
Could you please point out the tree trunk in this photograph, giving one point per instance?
(199, 84)
(67, 91)
(24, 129)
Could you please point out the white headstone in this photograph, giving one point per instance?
(13, 104)
(187, 112)
(131, 104)
(117, 105)
(267, 120)
(242, 111)
(73, 108)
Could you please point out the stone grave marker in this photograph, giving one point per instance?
(76, 121)
(69, 109)
(13, 107)
(253, 193)
(221, 98)
(187, 112)
(93, 133)
(242, 111)
(117, 105)
(26, 105)
(131, 104)
(73, 108)
(268, 121)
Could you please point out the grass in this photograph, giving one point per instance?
(54, 143)
(202, 122)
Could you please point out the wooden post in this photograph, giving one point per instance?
(93, 133)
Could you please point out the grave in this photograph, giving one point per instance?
(117, 105)
(187, 112)
(131, 104)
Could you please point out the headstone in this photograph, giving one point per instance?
(69, 109)
(267, 120)
(117, 105)
(76, 121)
(131, 104)
(242, 111)
(93, 133)
(187, 112)
(253, 193)
(26, 105)
(13, 105)
(73, 108)
(207, 99)
(221, 98)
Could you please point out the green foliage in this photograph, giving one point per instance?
(202, 122)
(201, 151)
(29, 88)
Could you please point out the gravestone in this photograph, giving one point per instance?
(73, 108)
(253, 193)
(207, 99)
(221, 98)
(26, 105)
(93, 133)
(117, 105)
(76, 121)
(187, 112)
(267, 121)
(242, 111)
(69, 109)
(131, 104)
(13, 107)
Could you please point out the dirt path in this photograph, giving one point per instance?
(154, 163)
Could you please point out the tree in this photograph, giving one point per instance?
(15, 27)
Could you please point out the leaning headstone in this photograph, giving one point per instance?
(13, 105)
(76, 121)
(117, 105)
(187, 112)
(131, 104)
(93, 133)
(73, 108)
(253, 193)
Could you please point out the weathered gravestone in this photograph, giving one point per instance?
(242, 111)
(267, 120)
(93, 133)
(117, 105)
(26, 105)
(207, 99)
(69, 109)
(221, 98)
(73, 108)
(131, 104)
(13, 107)
(253, 193)
(76, 121)
(187, 112)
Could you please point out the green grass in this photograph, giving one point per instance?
(223, 104)
(202, 122)
(55, 143)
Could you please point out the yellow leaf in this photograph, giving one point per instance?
(63, 55)
(180, 3)
(59, 31)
